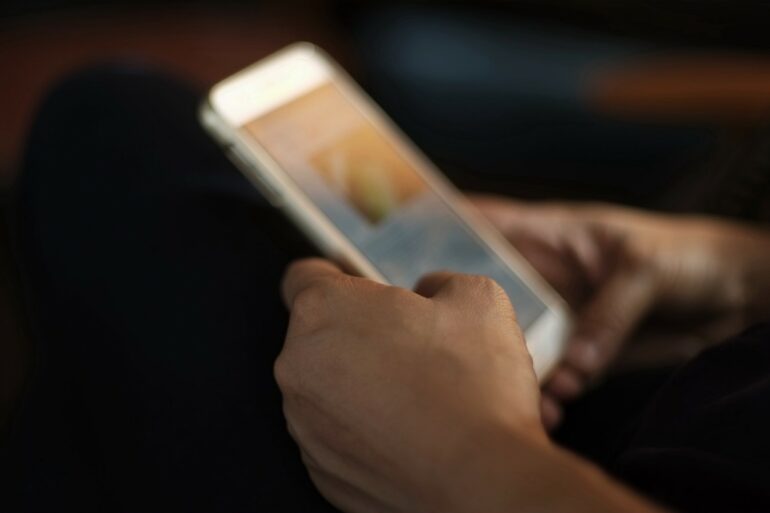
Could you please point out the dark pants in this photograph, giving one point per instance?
(152, 269)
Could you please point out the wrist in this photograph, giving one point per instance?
(507, 471)
(757, 279)
(487, 471)
(747, 249)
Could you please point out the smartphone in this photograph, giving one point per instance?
(319, 148)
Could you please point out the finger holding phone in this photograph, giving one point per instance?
(616, 266)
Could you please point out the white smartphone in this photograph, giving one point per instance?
(317, 147)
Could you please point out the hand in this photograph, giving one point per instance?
(393, 395)
(615, 266)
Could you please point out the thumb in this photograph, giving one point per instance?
(608, 318)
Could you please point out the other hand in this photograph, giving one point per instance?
(615, 266)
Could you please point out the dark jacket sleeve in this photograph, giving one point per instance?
(704, 444)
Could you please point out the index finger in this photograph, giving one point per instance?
(499, 210)
(302, 274)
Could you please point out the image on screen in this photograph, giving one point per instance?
(373, 194)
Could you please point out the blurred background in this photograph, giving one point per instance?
(663, 104)
(583, 98)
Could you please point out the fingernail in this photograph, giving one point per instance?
(583, 354)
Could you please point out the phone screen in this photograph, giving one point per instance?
(369, 189)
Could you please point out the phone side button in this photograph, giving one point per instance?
(255, 177)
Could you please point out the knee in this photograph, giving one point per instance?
(107, 93)
(101, 125)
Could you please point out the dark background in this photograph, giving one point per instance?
(662, 104)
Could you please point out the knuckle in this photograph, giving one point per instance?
(282, 372)
(489, 294)
(634, 256)
(311, 301)
(491, 290)
(462, 281)
(488, 285)
(308, 298)
(606, 326)
(307, 310)
(397, 295)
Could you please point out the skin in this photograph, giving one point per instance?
(618, 266)
(426, 400)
